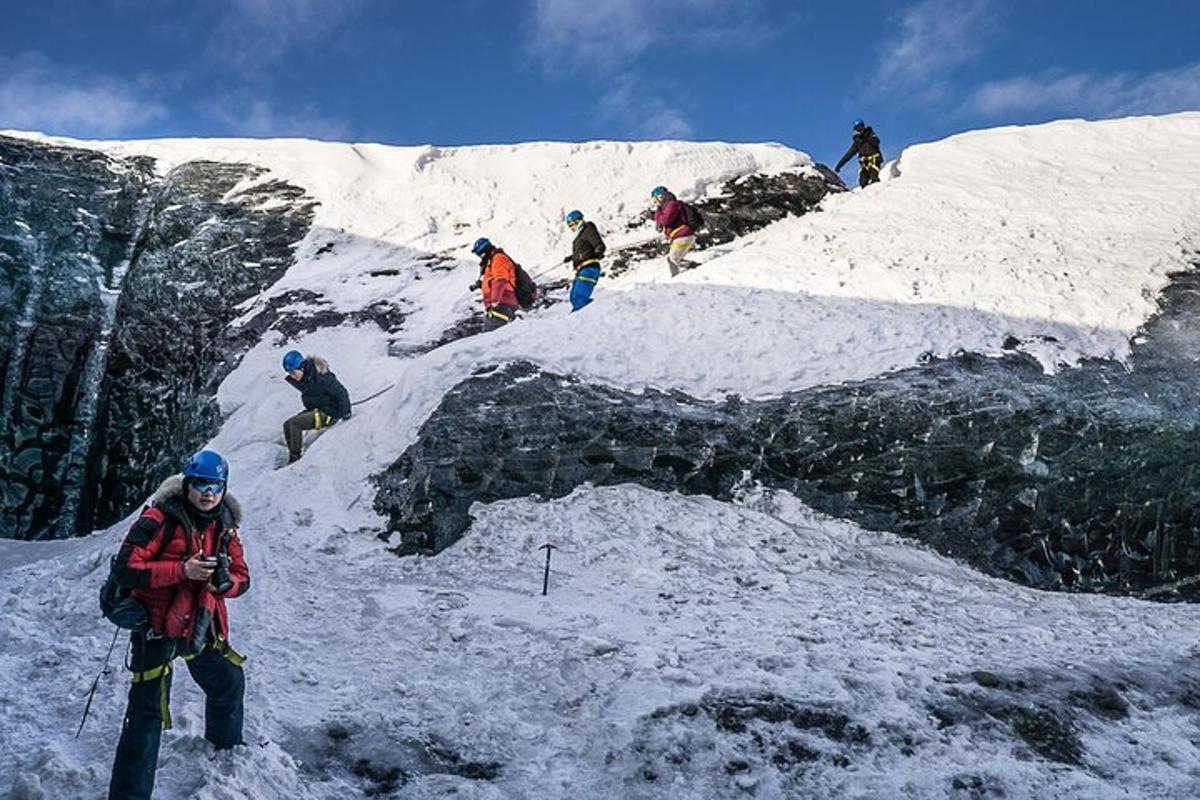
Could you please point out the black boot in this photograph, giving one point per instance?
(293, 458)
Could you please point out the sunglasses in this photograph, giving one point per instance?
(209, 487)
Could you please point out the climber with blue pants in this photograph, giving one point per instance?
(586, 252)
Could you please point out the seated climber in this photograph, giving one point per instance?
(325, 400)
(586, 251)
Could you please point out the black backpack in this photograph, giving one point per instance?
(695, 220)
(118, 606)
(117, 603)
(527, 290)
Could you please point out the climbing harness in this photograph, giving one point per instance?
(163, 671)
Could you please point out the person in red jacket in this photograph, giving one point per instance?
(498, 282)
(671, 219)
(182, 560)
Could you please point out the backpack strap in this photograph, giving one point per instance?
(155, 513)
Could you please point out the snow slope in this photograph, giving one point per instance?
(658, 601)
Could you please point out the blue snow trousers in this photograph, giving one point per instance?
(137, 751)
(582, 286)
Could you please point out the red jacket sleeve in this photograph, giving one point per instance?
(138, 564)
(237, 568)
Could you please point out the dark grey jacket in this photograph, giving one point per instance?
(587, 246)
(320, 388)
(865, 143)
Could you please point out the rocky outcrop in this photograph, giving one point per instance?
(1081, 481)
(68, 222)
(218, 235)
(122, 286)
(743, 206)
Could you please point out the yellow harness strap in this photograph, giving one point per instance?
(588, 263)
(498, 315)
(870, 162)
(160, 674)
(671, 233)
(232, 656)
(585, 279)
(163, 670)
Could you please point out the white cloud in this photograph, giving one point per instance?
(36, 95)
(244, 116)
(934, 37)
(641, 112)
(607, 35)
(1090, 94)
(602, 40)
(251, 35)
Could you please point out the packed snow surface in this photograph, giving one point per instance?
(1060, 235)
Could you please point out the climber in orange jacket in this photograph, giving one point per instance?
(498, 283)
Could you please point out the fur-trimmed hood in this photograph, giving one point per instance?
(171, 491)
(319, 364)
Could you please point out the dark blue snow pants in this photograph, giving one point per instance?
(137, 751)
(582, 286)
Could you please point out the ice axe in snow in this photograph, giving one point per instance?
(546, 576)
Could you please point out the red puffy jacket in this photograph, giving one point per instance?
(499, 283)
(150, 562)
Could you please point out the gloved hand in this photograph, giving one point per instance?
(567, 260)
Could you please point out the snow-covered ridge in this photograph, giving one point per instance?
(1060, 235)
(434, 198)
(658, 601)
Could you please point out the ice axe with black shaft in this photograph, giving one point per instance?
(546, 576)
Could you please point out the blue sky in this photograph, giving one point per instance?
(470, 71)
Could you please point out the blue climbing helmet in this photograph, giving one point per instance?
(658, 192)
(207, 465)
(481, 246)
(858, 123)
(292, 360)
(573, 217)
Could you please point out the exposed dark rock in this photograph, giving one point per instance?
(1048, 734)
(118, 287)
(383, 760)
(739, 733)
(1102, 699)
(207, 247)
(744, 205)
(301, 311)
(976, 787)
(69, 220)
(986, 679)
(1085, 480)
